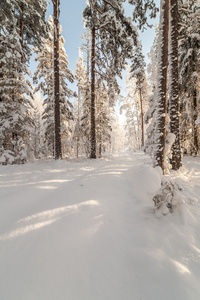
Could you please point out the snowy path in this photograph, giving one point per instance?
(86, 231)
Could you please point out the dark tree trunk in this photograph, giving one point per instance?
(1, 74)
(21, 25)
(142, 117)
(162, 87)
(58, 150)
(195, 131)
(174, 89)
(93, 130)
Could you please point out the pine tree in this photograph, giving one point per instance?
(159, 156)
(44, 77)
(57, 122)
(173, 86)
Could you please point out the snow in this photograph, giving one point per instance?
(87, 229)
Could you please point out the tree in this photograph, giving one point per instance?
(174, 86)
(103, 122)
(57, 134)
(15, 90)
(79, 135)
(150, 116)
(44, 77)
(131, 105)
(137, 71)
(159, 156)
(37, 132)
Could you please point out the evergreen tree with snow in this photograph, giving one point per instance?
(189, 72)
(79, 135)
(103, 122)
(130, 107)
(15, 91)
(44, 77)
(137, 71)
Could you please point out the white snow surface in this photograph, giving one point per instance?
(87, 230)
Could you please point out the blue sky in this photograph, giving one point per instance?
(72, 24)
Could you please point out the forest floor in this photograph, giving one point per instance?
(87, 230)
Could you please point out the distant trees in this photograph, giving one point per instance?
(137, 71)
(89, 128)
(114, 34)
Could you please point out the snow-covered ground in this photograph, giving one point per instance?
(87, 230)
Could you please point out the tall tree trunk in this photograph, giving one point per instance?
(162, 86)
(1, 65)
(195, 114)
(174, 89)
(78, 121)
(142, 117)
(21, 25)
(58, 150)
(93, 130)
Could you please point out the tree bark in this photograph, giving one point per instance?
(162, 87)
(92, 116)
(195, 131)
(174, 88)
(58, 150)
(21, 25)
(142, 117)
(1, 74)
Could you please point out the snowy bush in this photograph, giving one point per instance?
(168, 198)
(7, 157)
(17, 155)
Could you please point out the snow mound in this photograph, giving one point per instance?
(147, 181)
